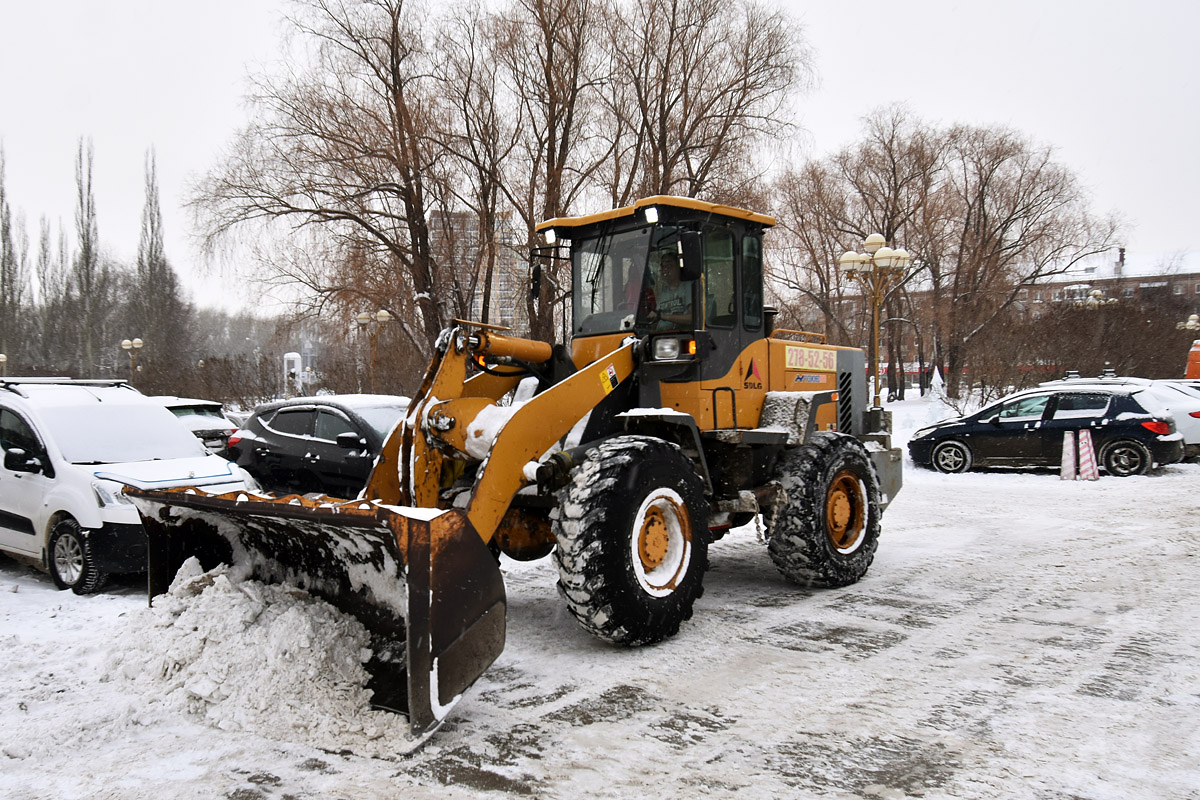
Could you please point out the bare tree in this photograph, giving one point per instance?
(345, 145)
(550, 52)
(1008, 217)
(985, 213)
(13, 274)
(695, 86)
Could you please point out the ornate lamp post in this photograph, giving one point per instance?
(132, 347)
(372, 324)
(875, 270)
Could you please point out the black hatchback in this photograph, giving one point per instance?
(325, 444)
(1131, 433)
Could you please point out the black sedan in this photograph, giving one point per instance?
(325, 444)
(1131, 433)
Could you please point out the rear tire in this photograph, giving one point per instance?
(70, 559)
(1126, 457)
(828, 530)
(952, 457)
(631, 529)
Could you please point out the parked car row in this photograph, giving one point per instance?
(71, 447)
(1135, 425)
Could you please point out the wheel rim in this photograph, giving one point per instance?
(661, 544)
(68, 558)
(846, 511)
(1125, 460)
(950, 457)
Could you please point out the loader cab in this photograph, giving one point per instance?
(682, 274)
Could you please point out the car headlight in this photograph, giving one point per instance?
(110, 493)
(923, 432)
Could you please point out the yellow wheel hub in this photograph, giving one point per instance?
(653, 539)
(845, 510)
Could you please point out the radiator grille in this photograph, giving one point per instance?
(845, 402)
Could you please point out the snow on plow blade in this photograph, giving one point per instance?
(422, 582)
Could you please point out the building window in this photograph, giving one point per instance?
(1128, 293)
(1198, 288)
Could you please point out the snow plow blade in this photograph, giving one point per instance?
(421, 581)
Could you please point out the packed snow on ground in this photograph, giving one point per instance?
(1017, 637)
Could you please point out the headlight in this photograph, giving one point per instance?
(109, 493)
(923, 432)
(666, 349)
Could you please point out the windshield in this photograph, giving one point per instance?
(111, 433)
(631, 280)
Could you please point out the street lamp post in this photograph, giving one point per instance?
(132, 346)
(875, 270)
(372, 324)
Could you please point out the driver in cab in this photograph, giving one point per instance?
(670, 305)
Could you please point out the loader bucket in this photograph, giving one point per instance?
(421, 581)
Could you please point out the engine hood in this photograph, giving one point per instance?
(199, 471)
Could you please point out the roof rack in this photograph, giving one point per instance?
(14, 384)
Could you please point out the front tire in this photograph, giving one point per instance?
(632, 547)
(1126, 457)
(828, 530)
(70, 559)
(952, 457)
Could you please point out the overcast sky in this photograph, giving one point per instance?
(1111, 86)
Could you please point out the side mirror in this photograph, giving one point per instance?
(692, 264)
(17, 460)
(994, 419)
(350, 441)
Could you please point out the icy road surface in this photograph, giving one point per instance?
(1017, 637)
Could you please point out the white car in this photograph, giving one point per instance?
(204, 418)
(70, 449)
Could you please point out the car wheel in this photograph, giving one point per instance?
(951, 457)
(1125, 457)
(70, 559)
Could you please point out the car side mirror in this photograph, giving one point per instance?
(692, 265)
(992, 420)
(17, 460)
(350, 441)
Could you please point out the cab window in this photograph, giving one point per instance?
(751, 282)
(720, 307)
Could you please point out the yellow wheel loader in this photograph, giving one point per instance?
(675, 414)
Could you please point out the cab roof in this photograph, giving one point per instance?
(685, 203)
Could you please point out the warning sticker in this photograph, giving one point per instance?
(608, 378)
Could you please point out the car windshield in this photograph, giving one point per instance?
(381, 418)
(112, 433)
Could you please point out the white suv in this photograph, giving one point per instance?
(70, 448)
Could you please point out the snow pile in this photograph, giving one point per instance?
(266, 659)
